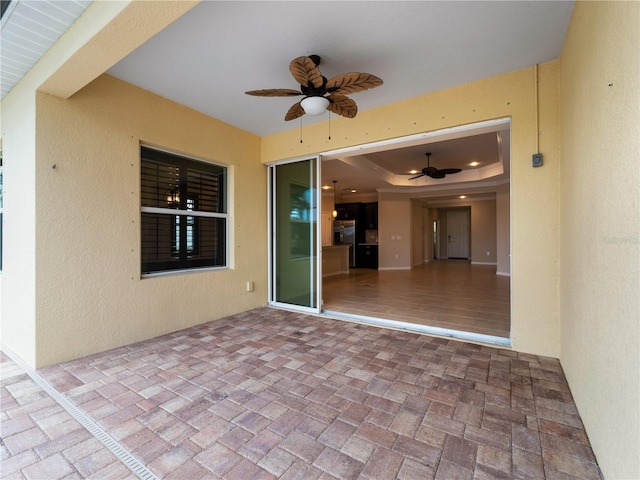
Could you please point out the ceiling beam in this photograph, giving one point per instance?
(104, 34)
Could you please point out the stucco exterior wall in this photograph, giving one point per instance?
(600, 222)
(534, 230)
(90, 295)
(18, 277)
(503, 234)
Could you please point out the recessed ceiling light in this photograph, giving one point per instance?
(353, 190)
(462, 196)
(474, 164)
(413, 172)
(326, 187)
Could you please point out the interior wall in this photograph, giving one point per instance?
(483, 232)
(417, 228)
(394, 232)
(534, 283)
(427, 235)
(90, 295)
(600, 222)
(442, 234)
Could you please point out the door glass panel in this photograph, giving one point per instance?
(295, 227)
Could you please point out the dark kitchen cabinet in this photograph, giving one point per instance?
(349, 211)
(370, 217)
(367, 256)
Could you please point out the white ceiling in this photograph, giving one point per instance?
(218, 50)
(209, 57)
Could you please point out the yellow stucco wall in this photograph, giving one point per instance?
(534, 201)
(503, 233)
(17, 314)
(600, 224)
(89, 292)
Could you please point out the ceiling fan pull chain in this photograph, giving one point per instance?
(300, 129)
(329, 125)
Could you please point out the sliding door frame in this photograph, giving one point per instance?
(315, 277)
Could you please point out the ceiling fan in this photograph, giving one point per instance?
(433, 172)
(319, 93)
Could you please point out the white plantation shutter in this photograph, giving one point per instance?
(184, 212)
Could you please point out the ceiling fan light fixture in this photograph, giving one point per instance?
(314, 105)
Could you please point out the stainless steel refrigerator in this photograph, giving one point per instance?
(344, 233)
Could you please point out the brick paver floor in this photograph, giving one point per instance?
(276, 394)
(39, 440)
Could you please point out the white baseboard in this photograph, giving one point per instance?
(394, 268)
(504, 274)
(484, 263)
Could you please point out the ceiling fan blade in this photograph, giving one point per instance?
(274, 92)
(450, 171)
(353, 82)
(417, 176)
(305, 72)
(342, 105)
(294, 112)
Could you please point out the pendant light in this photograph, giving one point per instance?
(334, 214)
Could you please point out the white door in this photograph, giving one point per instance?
(458, 234)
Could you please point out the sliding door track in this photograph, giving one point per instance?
(417, 328)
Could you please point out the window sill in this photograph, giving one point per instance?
(182, 272)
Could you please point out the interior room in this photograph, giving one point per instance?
(444, 274)
(169, 258)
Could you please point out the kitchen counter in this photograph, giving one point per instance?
(335, 260)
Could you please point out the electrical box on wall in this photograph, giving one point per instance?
(536, 160)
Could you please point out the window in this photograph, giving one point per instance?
(183, 211)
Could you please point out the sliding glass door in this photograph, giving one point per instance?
(294, 261)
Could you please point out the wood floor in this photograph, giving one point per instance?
(451, 294)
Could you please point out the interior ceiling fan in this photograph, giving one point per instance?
(433, 172)
(319, 93)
